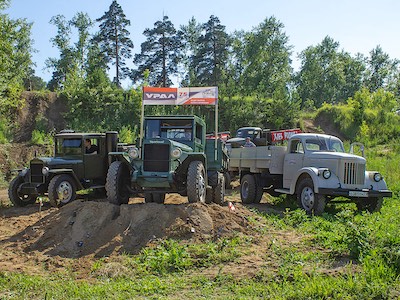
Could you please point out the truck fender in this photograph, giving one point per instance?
(372, 184)
(318, 180)
(69, 172)
(123, 157)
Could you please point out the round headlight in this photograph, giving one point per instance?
(326, 173)
(45, 171)
(133, 152)
(23, 172)
(377, 177)
(176, 152)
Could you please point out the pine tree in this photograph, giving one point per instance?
(210, 58)
(160, 54)
(114, 40)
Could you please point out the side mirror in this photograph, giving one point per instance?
(360, 145)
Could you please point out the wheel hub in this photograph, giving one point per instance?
(307, 198)
(202, 189)
(64, 191)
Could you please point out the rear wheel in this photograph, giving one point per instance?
(219, 191)
(196, 183)
(248, 189)
(311, 202)
(227, 180)
(117, 182)
(62, 190)
(16, 197)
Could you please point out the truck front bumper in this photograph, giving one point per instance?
(349, 193)
(28, 188)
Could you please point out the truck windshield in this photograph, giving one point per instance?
(243, 133)
(180, 130)
(68, 146)
(323, 144)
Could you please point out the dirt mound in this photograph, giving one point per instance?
(102, 229)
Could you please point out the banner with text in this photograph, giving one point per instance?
(180, 96)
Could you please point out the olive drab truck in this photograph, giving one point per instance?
(172, 155)
(70, 169)
(312, 167)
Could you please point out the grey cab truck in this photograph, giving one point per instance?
(173, 156)
(71, 169)
(312, 167)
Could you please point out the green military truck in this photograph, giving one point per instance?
(73, 167)
(173, 156)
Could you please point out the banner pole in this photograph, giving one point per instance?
(216, 132)
(141, 121)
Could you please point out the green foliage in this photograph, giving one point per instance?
(327, 75)
(127, 135)
(266, 56)
(160, 54)
(114, 41)
(210, 54)
(169, 256)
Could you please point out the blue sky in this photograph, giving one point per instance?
(358, 25)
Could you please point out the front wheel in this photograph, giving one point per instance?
(196, 183)
(117, 182)
(311, 202)
(62, 190)
(16, 197)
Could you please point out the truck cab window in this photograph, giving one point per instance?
(296, 147)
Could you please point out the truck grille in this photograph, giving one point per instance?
(156, 158)
(354, 173)
(36, 173)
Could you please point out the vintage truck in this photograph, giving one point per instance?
(312, 167)
(173, 156)
(69, 170)
(260, 137)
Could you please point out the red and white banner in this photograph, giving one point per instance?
(180, 96)
(282, 135)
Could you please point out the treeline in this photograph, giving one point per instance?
(252, 69)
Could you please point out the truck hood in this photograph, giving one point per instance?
(184, 147)
(59, 161)
(173, 143)
(335, 156)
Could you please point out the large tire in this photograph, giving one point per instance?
(117, 183)
(228, 180)
(17, 198)
(248, 188)
(219, 191)
(310, 201)
(62, 190)
(370, 204)
(196, 182)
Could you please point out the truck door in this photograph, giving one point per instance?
(293, 161)
(94, 162)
